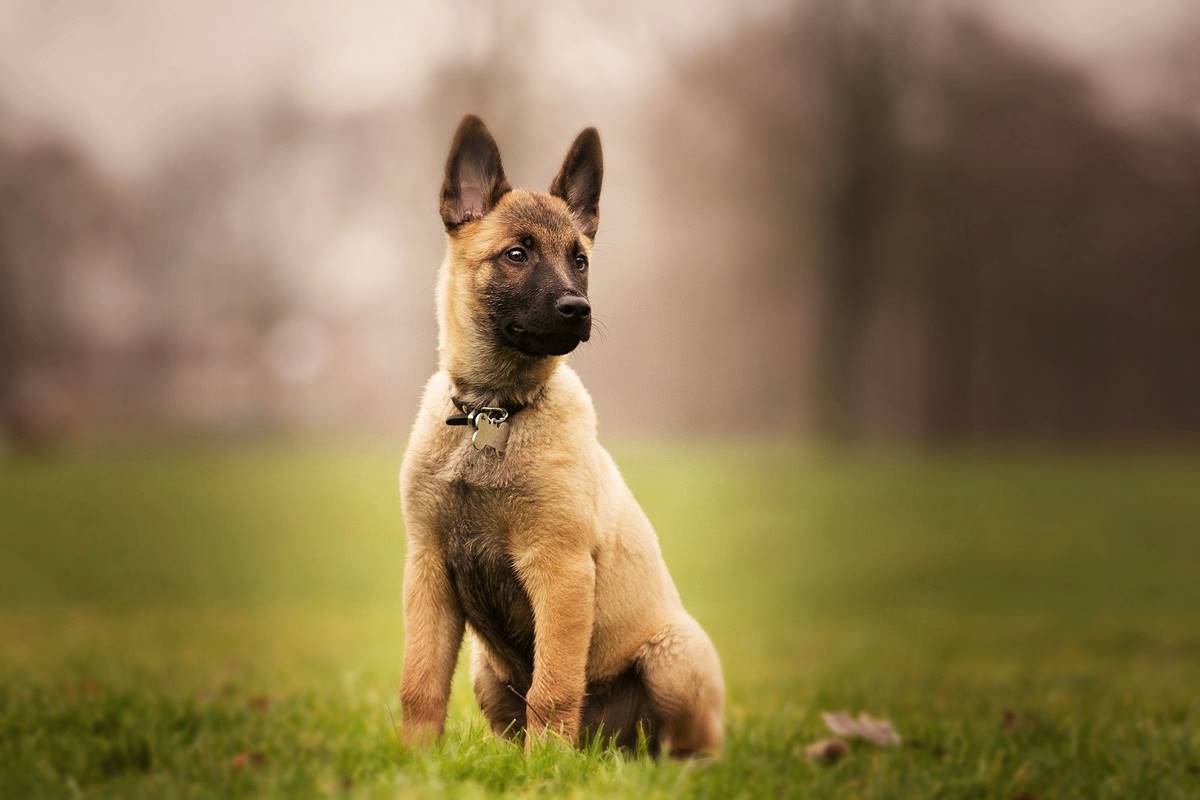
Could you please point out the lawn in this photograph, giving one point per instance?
(204, 621)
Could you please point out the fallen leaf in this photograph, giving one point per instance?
(839, 722)
(1014, 722)
(876, 731)
(248, 758)
(826, 751)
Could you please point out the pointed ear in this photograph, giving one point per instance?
(475, 179)
(578, 182)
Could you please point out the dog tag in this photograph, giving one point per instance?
(489, 433)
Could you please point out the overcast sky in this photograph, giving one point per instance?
(124, 79)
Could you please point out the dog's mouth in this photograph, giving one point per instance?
(541, 343)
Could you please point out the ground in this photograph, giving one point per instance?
(209, 621)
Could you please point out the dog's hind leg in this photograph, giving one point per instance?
(682, 675)
(620, 709)
(503, 707)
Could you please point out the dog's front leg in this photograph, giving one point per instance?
(433, 632)
(561, 587)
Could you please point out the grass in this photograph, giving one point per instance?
(226, 622)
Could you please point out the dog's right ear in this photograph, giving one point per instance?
(475, 179)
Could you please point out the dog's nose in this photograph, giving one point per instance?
(573, 307)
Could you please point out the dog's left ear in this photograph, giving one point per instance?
(578, 182)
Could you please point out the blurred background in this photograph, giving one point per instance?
(926, 221)
(901, 317)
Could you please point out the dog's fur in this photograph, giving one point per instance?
(541, 551)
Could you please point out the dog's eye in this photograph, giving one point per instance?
(581, 262)
(517, 255)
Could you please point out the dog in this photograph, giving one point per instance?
(519, 526)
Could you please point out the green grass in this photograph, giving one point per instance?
(208, 622)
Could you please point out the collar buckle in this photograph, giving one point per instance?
(490, 424)
(495, 414)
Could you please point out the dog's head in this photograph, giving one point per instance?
(516, 273)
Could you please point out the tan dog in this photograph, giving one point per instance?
(518, 523)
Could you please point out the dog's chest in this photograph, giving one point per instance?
(475, 532)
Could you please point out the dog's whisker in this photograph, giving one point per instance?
(600, 326)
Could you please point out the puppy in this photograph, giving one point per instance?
(519, 526)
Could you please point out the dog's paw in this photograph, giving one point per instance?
(416, 736)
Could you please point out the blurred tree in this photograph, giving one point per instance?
(51, 209)
(888, 221)
(863, 65)
(1059, 253)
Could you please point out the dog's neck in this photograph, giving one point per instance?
(499, 379)
(482, 370)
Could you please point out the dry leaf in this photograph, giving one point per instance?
(876, 731)
(826, 751)
(840, 723)
(1014, 722)
(248, 758)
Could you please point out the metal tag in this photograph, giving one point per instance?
(490, 432)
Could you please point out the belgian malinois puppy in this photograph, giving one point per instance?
(519, 525)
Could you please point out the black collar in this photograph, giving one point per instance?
(468, 411)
